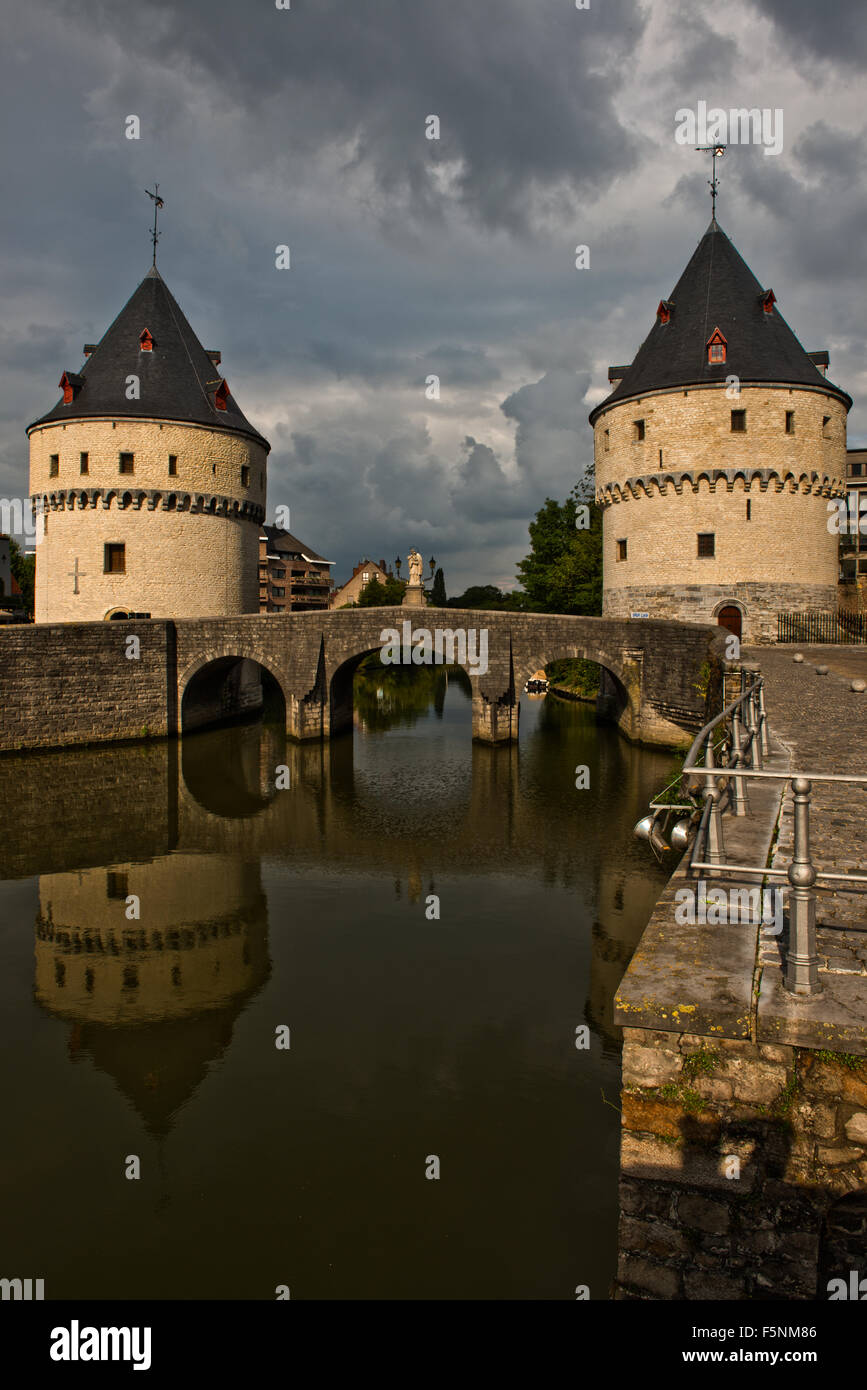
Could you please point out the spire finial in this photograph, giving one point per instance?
(717, 151)
(158, 203)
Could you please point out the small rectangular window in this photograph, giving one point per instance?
(639, 429)
(127, 463)
(54, 466)
(84, 463)
(116, 884)
(717, 353)
(278, 592)
(790, 422)
(245, 475)
(621, 550)
(606, 441)
(115, 559)
(173, 465)
(706, 544)
(826, 427)
(739, 421)
(749, 511)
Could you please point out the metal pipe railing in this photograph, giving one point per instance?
(748, 743)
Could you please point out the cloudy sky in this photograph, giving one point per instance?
(413, 257)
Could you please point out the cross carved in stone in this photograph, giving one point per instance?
(76, 574)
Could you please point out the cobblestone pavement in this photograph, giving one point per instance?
(821, 722)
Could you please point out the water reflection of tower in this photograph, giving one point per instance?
(152, 1002)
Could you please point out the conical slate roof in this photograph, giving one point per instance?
(717, 290)
(178, 379)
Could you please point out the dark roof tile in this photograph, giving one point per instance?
(717, 290)
(177, 378)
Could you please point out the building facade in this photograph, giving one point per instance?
(717, 453)
(148, 482)
(292, 577)
(362, 573)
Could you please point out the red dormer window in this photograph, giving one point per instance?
(768, 299)
(221, 395)
(663, 310)
(146, 341)
(716, 348)
(71, 383)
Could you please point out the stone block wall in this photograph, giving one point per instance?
(701, 603)
(738, 1162)
(74, 683)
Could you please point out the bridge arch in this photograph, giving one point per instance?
(341, 683)
(616, 698)
(218, 687)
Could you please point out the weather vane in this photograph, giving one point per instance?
(717, 151)
(158, 203)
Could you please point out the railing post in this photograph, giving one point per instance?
(739, 796)
(756, 751)
(715, 848)
(763, 721)
(802, 962)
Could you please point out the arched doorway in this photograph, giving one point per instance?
(731, 617)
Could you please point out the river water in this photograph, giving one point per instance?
(431, 920)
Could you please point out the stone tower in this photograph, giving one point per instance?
(149, 479)
(716, 455)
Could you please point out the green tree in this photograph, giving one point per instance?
(438, 590)
(24, 569)
(487, 596)
(381, 593)
(563, 572)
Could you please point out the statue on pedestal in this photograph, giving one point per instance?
(414, 594)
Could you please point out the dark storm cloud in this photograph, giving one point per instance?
(482, 491)
(834, 30)
(459, 366)
(525, 92)
(825, 153)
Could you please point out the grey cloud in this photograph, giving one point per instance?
(835, 30)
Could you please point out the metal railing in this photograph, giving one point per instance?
(744, 744)
(843, 627)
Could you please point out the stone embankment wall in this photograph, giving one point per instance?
(739, 1164)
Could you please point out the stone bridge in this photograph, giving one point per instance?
(76, 683)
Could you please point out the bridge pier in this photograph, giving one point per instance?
(305, 719)
(495, 721)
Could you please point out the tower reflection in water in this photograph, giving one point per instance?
(152, 1002)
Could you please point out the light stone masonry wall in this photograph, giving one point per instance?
(181, 559)
(783, 557)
